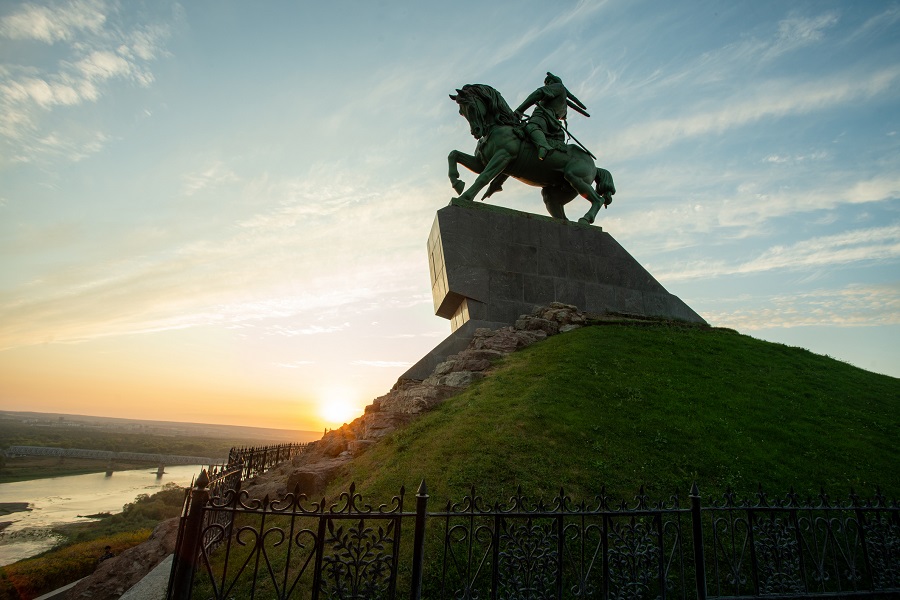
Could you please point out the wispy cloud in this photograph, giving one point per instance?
(296, 364)
(738, 213)
(797, 31)
(96, 50)
(521, 40)
(214, 175)
(851, 306)
(294, 268)
(772, 99)
(876, 24)
(54, 23)
(383, 364)
(310, 330)
(874, 244)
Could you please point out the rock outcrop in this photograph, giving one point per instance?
(115, 576)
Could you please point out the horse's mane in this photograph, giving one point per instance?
(494, 103)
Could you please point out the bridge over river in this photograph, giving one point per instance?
(111, 457)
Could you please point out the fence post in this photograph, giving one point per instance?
(861, 529)
(185, 559)
(415, 592)
(699, 560)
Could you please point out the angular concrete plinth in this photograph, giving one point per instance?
(490, 264)
(493, 264)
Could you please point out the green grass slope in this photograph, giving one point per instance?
(660, 406)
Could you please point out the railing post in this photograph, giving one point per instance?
(699, 560)
(185, 559)
(415, 592)
(861, 529)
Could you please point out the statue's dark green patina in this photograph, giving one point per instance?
(531, 150)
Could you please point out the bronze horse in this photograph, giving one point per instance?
(504, 151)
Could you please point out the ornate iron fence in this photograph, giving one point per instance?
(259, 459)
(216, 527)
(293, 548)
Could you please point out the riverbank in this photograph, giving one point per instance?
(84, 543)
(77, 500)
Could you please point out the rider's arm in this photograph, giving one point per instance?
(533, 98)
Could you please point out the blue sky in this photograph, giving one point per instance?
(217, 211)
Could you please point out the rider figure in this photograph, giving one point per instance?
(550, 102)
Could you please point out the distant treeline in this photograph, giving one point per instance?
(14, 433)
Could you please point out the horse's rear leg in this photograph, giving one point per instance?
(555, 199)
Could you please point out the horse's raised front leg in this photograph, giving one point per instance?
(468, 161)
(499, 161)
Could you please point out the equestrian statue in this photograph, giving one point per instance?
(530, 149)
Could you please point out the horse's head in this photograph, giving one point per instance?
(472, 109)
(484, 108)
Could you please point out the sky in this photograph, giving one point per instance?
(217, 211)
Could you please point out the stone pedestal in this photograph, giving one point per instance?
(493, 264)
(490, 264)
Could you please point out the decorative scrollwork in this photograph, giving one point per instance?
(778, 556)
(883, 542)
(730, 541)
(633, 558)
(350, 503)
(528, 559)
(360, 562)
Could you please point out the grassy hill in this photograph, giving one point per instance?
(655, 405)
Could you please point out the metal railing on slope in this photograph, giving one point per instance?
(218, 482)
(786, 548)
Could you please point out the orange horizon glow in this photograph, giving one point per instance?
(87, 379)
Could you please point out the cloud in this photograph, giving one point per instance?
(215, 175)
(53, 24)
(663, 224)
(296, 267)
(561, 22)
(772, 99)
(385, 364)
(780, 159)
(296, 364)
(310, 330)
(876, 25)
(861, 245)
(97, 48)
(797, 32)
(851, 306)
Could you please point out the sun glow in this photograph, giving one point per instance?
(339, 405)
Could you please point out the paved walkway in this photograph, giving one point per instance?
(153, 585)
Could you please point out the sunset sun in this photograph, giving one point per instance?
(338, 405)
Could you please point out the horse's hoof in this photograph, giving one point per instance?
(584, 221)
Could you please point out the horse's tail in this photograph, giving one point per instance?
(604, 184)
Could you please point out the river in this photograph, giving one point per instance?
(61, 500)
